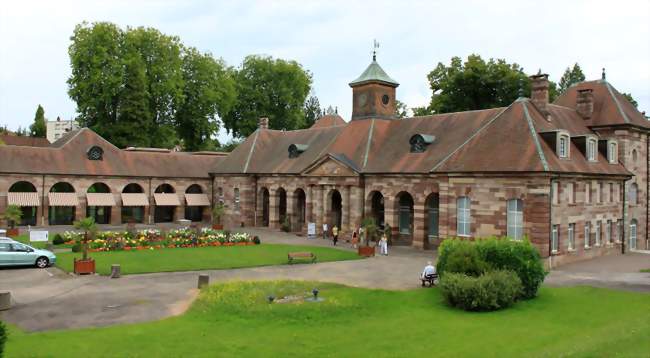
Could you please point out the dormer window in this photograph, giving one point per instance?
(419, 142)
(563, 145)
(612, 151)
(592, 149)
(296, 149)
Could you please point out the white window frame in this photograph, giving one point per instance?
(571, 239)
(570, 190)
(619, 231)
(633, 234)
(599, 228)
(634, 194)
(515, 219)
(587, 234)
(612, 152)
(592, 149)
(555, 239)
(587, 193)
(463, 216)
(563, 141)
(236, 198)
(608, 232)
(555, 191)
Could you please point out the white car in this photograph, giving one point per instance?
(14, 253)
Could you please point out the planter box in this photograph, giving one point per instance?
(13, 232)
(366, 251)
(84, 267)
(217, 227)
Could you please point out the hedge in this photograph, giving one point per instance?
(479, 256)
(3, 338)
(490, 291)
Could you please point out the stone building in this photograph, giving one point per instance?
(569, 175)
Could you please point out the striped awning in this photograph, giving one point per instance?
(134, 199)
(100, 199)
(165, 199)
(62, 199)
(23, 199)
(197, 200)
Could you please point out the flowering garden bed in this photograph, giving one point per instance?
(153, 239)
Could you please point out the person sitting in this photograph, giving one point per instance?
(429, 274)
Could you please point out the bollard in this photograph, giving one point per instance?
(5, 300)
(115, 271)
(204, 280)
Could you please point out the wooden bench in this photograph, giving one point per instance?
(432, 280)
(301, 255)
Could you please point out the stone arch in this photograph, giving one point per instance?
(299, 208)
(432, 218)
(61, 215)
(194, 213)
(132, 188)
(404, 214)
(375, 204)
(164, 213)
(28, 212)
(265, 202)
(281, 204)
(101, 214)
(334, 208)
(134, 214)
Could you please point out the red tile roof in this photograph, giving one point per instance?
(24, 141)
(329, 120)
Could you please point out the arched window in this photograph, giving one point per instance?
(62, 204)
(463, 220)
(633, 234)
(592, 146)
(612, 152)
(133, 203)
(433, 204)
(99, 203)
(24, 195)
(515, 219)
(633, 194)
(236, 192)
(634, 157)
(563, 146)
(405, 208)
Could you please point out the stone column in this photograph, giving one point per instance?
(80, 209)
(317, 196)
(356, 205)
(116, 215)
(325, 207)
(419, 217)
(179, 212)
(345, 210)
(274, 220)
(389, 215)
(309, 205)
(290, 212)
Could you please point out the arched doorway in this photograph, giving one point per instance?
(27, 199)
(194, 212)
(335, 208)
(404, 212)
(282, 204)
(265, 200)
(432, 205)
(377, 208)
(299, 208)
(131, 213)
(62, 208)
(164, 211)
(101, 214)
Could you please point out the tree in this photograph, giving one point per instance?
(475, 84)
(268, 87)
(209, 92)
(134, 120)
(570, 77)
(401, 111)
(229, 146)
(422, 111)
(12, 215)
(21, 132)
(38, 128)
(90, 228)
(312, 111)
(629, 97)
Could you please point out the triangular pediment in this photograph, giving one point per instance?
(332, 165)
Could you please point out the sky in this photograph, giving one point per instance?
(333, 40)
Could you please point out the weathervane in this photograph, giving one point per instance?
(375, 46)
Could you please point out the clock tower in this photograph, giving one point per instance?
(373, 93)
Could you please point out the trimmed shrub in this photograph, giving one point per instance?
(256, 240)
(76, 247)
(58, 240)
(3, 338)
(521, 257)
(490, 291)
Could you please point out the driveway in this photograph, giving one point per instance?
(50, 299)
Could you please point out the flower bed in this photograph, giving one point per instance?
(153, 239)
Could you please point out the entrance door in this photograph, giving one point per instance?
(336, 208)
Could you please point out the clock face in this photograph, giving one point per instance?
(363, 99)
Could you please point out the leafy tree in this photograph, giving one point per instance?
(38, 128)
(312, 111)
(229, 146)
(401, 111)
(269, 87)
(12, 215)
(21, 132)
(475, 84)
(330, 111)
(134, 121)
(570, 77)
(629, 97)
(209, 91)
(90, 229)
(422, 111)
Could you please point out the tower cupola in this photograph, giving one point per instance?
(373, 93)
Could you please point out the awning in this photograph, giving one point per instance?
(164, 199)
(134, 199)
(62, 199)
(23, 199)
(197, 200)
(100, 199)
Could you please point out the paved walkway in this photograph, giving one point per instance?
(50, 299)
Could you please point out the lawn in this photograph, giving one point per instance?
(645, 270)
(200, 258)
(234, 320)
(24, 238)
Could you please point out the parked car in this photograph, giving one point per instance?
(14, 253)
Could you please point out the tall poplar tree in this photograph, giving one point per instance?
(38, 128)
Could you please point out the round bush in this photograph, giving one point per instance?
(490, 291)
(76, 247)
(466, 259)
(256, 240)
(3, 338)
(58, 240)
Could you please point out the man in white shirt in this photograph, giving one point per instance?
(428, 274)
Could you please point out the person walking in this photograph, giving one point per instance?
(355, 238)
(383, 245)
(335, 234)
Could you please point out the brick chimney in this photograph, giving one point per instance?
(539, 91)
(264, 123)
(585, 103)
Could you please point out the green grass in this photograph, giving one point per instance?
(645, 270)
(24, 238)
(200, 258)
(234, 320)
